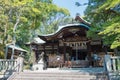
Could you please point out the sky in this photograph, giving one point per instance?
(70, 5)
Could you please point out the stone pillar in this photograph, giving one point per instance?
(107, 63)
(6, 52)
(20, 61)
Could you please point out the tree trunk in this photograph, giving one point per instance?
(14, 36)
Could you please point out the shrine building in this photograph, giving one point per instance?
(69, 46)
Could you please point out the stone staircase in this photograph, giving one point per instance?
(57, 76)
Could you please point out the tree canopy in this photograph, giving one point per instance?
(19, 19)
(104, 17)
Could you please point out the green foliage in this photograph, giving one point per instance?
(104, 15)
(20, 19)
(1, 55)
(1, 51)
(112, 31)
(110, 4)
(30, 12)
(27, 67)
(54, 24)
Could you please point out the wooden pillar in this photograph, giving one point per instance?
(76, 51)
(105, 48)
(88, 46)
(44, 49)
(53, 48)
(36, 55)
(64, 52)
(89, 54)
(58, 48)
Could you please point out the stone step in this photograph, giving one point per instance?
(55, 73)
(52, 78)
(56, 76)
(65, 76)
(62, 74)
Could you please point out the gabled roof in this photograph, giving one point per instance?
(69, 25)
(15, 47)
(36, 40)
(62, 28)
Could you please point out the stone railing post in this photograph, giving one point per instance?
(20, 60)
(107, 63)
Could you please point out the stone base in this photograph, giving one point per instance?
(38, 66)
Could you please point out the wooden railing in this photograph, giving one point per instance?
(112, 67)
(8, 66)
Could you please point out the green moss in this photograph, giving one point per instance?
(27, 67)
(1, 54)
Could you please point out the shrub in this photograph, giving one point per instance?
(27, 67)
(1, 54)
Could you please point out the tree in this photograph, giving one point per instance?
(104, 17)
(13, 11)
(53, 24)
(112, 26)
(49, 18)
(19, 19)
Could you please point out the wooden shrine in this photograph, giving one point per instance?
(70, 47)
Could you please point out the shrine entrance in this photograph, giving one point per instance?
(79, 55)
(77, 50)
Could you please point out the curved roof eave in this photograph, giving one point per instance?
(68, 25)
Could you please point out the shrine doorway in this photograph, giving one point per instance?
(79, 55)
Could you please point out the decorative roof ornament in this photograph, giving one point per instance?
(38, 40)
(81, 20)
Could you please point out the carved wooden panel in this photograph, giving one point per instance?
(75, 38)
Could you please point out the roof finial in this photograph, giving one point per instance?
(77, 14)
